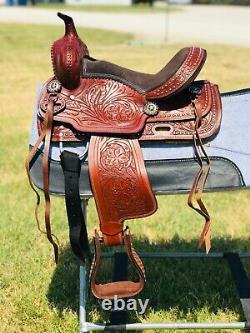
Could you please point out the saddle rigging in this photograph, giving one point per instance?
(115, 109)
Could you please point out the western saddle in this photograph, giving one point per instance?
(114, 109)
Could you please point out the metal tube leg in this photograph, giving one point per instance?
(83, 284)
(83, 299)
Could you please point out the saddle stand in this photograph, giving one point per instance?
(118, 319)
(93, 125)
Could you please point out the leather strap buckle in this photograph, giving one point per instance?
(120, 289)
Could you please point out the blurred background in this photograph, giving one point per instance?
(154, 21)
(129, 2)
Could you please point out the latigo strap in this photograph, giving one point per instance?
(71, 165)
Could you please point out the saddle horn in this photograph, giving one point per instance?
(67, 54)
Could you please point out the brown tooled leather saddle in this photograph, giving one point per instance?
(115, 109)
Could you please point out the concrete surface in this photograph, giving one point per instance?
(214, 24)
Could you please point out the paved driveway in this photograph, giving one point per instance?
(218, 24)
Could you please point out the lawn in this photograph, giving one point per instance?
(37, 296)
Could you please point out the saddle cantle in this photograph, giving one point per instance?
(115, 109)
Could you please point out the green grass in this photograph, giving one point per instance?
(140, 8)
(35, 295)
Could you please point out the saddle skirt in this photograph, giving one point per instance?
(115, 110)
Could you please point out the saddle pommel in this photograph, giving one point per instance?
(67, 54)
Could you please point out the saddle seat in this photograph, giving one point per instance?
(175, 76)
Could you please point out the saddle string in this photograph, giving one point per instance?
(45, 171)
(29, 158)
(195, 195)
(46, 124)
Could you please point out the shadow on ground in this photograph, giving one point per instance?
(186, 285)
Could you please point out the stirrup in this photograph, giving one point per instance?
(120, 289)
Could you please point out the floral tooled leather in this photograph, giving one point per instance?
(184, 130)
(119, 182)
(175, 118)
(100, 106)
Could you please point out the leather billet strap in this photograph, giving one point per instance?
(119, 183)
(71, 165)
(121, 289)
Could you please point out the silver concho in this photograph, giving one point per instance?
(54, 86)
(151, 109)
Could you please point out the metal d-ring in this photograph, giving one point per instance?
(84, 153)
